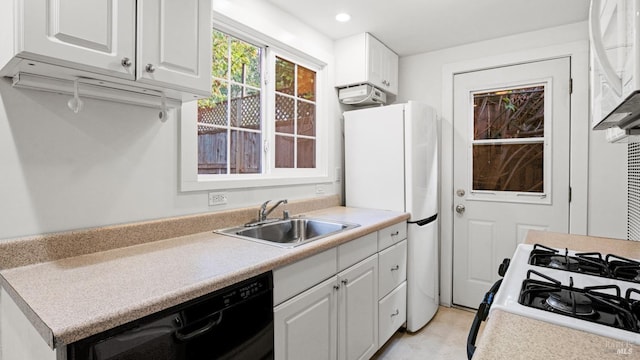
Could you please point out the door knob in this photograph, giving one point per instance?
(460, 208)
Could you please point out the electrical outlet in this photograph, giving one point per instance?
(217, 199)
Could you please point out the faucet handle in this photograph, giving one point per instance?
(264, 204)
(285, 215)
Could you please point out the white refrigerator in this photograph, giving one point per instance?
(391, 163)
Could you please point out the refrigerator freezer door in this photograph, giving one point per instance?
(422, 274)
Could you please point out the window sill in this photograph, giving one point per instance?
(225, 182)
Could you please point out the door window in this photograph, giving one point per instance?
(508, 143)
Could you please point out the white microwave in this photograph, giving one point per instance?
(614, 29)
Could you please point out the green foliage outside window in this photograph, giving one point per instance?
(238, 57)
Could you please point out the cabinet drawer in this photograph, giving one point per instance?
(356, 250)
(294, 278)
(392, 267)
(392, 313)
(392, 235)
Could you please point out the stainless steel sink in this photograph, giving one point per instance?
(290, 232)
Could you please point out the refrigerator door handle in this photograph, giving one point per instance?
(425, 221)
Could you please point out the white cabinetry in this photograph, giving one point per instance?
(392, 276)
(97, 39)
(336, 319)
(364, 59)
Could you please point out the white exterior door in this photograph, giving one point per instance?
(511, 166)
(99, 33)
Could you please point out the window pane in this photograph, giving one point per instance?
(232, 104)
(306, 153)
(212, 150)
(245, 152)
(213, 110)
(284, 114)
(306, 83)
(285, 79)
(245, 107)
(505, 114)
(220, 55)
(284, 151)
(306, 118)
(512, 167)
(245, 63)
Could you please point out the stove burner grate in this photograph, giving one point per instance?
(590, 263)
(599, 304)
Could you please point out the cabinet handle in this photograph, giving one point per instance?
(126, 62)
(345, 281)
(396, 313)
(150, 68)
(336, 287)
(395, 268)
(395, 233)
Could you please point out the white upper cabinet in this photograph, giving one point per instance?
(97, 39)
(174, 43)
(364, 59)
(91, 35)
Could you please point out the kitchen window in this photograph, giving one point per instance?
(263, 123)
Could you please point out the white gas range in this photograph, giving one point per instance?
(599, 293)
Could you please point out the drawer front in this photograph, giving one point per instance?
(392, 313)
(293, 279)
(392, 267)
(392, 235)
(359, 249)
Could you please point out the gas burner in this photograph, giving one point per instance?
(564, 263)
(570, 303)
(592, 263)
(602, 304)
(624, 269)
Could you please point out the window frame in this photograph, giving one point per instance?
(544, 197)
(190, 180)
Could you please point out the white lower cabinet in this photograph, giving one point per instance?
(392, 289)
(392, 312)
(306, 326)
(337, 319)
(358, 310)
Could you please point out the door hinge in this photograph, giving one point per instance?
(570, 86)
(570, 193)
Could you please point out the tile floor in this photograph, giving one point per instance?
(444, 337)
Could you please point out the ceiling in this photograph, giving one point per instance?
(417, 26)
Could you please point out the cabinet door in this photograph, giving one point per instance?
(358, 310)
(94, 35)
(382, 66)
(305, 327)
(174, 44)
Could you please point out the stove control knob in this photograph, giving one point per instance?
(460, 209)
(502, 269)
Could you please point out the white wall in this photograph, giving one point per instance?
(115, 163)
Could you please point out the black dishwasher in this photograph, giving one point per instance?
(232, 323)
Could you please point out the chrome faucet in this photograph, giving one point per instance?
(263, 212)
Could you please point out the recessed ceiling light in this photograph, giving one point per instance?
(343, 17)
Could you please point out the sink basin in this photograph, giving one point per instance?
(290, 232)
